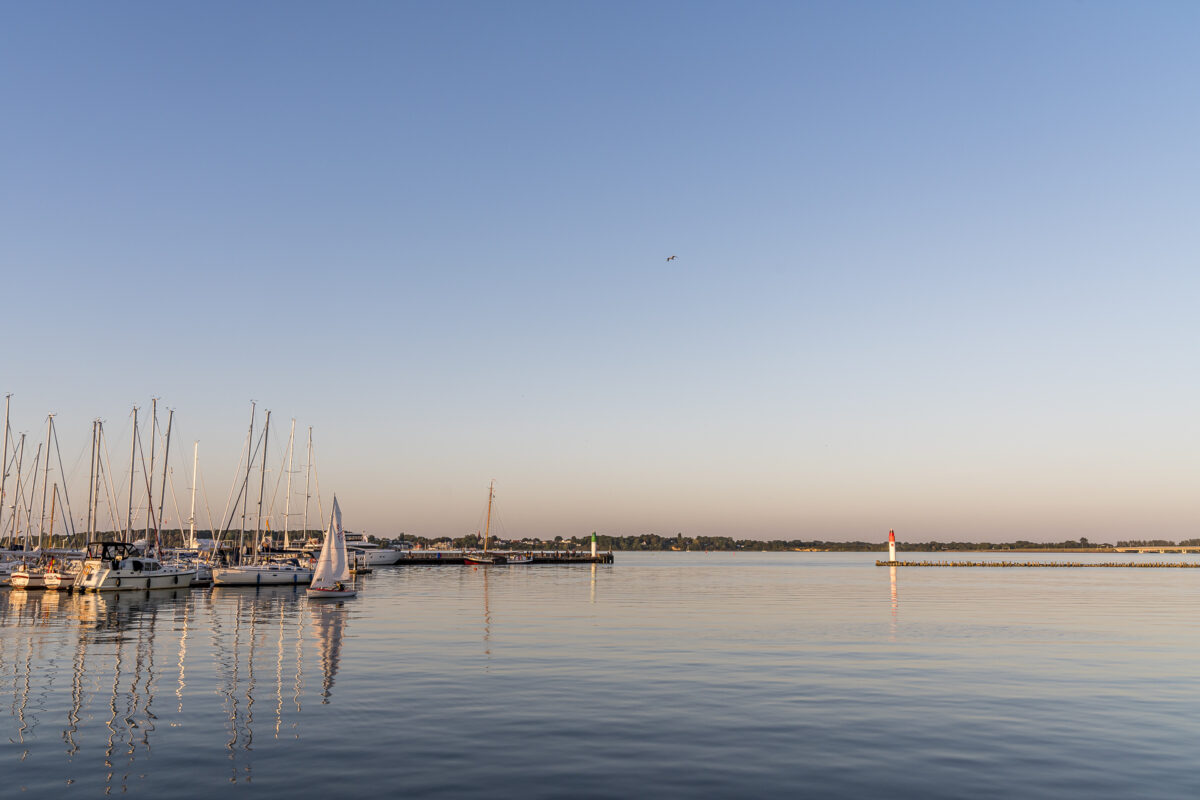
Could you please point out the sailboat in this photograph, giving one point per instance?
(485, 557)
(333, 571)
(259, 573)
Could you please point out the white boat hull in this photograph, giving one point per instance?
(381, 557)
(264, 575)
(35, 579)
(102, 578)
(329, 594)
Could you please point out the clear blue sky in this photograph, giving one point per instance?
(936, 260)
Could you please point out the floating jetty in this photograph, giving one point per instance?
(1058, 564)
(436, 558)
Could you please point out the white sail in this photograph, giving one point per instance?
(332, 566)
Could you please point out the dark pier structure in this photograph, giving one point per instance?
(438, 558)
(1059, 564)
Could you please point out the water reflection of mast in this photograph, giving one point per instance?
(487, 624)
(187, 606)
(250, 681)
(110, 722)
(145, 662)
(299, 684)
(279, 663)
(231, 685)
(21, 697)
(73, 715)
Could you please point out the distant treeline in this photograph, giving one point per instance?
(679, 542)
(649, 542)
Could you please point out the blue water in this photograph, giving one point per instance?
(666, 674)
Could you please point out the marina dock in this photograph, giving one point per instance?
(1058, 564)
(438, 558)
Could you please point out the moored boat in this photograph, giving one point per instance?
(272, 573)
(36, 576)
(119, 566)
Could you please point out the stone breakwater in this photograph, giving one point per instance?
(1059, 564)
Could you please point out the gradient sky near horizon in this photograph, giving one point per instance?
(936, 260)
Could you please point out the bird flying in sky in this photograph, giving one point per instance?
(670, 258)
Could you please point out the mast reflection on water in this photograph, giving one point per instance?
(88, 669)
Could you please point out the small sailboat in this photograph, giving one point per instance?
(332, 576)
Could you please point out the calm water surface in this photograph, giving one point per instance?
(666, 674)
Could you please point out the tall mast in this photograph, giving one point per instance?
(262, 483)
(100, 448)
(4, 462)
(488, 527)
(91, 483)
(162, 490)
(287, 503)
(192, 516)
(28, 507)
(132, 457)
(307, 476)
(53, 500)
(13, 517)
(150, 475)
(45, 479)
(19, 500)
(246, 480)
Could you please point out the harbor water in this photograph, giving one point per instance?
(662, 675)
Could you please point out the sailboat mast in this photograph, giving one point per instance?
(91, 482)
(262, 483)
(19, 500)
(287, 503)
(488, 527)
(192, 514)
(150, 475)
(307, 478)
(14, 516)
(162, 490)
(100, 449)
(45, 479)
(53, 502)
(4, 462)
(246, 481)
(28, 507)
(132, 462)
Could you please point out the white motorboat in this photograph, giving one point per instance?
(119, 566)
(372, 554)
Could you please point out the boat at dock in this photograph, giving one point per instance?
(485, 558)
(371, 553)
(36, 576)
(289, 572)
(120, 566)
(260, 570)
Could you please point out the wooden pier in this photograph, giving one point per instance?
(1058, 564)
(438, 558)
